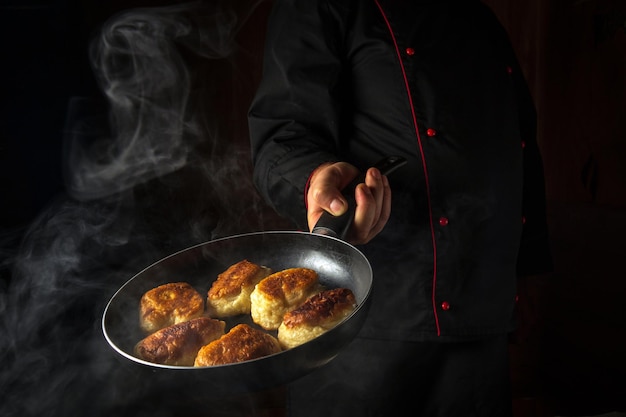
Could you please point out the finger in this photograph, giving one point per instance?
(315, 209)
(326, 185)
(385, 211)
(374, 181)
(368, 223)
(324, 192)
(364, 214)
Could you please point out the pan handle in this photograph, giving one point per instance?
(337, 226)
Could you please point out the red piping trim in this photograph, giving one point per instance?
(419, 143)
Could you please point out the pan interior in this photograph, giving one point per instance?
(337, 263)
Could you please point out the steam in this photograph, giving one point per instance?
(152, 171)
(142, 72)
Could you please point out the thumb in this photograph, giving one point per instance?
(326, 185)
(337, 206)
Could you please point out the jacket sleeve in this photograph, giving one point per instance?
(294, 116)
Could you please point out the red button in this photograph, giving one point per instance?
(410, 51)
(445, 306)
(516, 298)
(443, 221)
(509, 70)
(523, 219)
(431, 132)
(523, 144)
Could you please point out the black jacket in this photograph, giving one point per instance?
(436, 82)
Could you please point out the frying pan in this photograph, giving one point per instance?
(337, 263)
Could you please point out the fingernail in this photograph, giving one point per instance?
(336, 206)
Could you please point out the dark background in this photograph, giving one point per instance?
(574, 56)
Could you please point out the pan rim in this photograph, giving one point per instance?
(112, 344)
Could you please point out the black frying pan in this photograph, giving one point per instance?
(338, 264)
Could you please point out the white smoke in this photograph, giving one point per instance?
(139, 63)
(151, 173)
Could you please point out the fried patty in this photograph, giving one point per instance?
(281, 292)
(241, 343)
(317, 315)
(179, 344)
(169, 304)
(229, 294)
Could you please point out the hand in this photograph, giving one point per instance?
(373, 199)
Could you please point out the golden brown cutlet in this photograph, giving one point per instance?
(229, 294)
(281, 292)
(241, 343)
(317, 315)
(178, 344)
(169, 304)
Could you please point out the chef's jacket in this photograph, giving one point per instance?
(436, 82)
